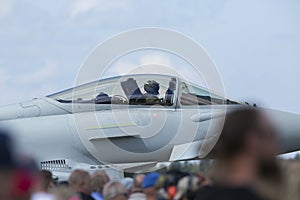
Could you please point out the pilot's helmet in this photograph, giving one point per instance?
(152, 87)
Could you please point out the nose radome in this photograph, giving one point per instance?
(19, 110)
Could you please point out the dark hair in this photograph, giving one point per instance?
(46, 178)
(237, 126)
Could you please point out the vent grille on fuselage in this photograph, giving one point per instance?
(55, 165)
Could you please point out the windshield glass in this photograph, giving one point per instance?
(196, 95)
(132, 90)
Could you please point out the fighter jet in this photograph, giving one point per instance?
(127, 122)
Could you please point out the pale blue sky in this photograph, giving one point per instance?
(255, 44)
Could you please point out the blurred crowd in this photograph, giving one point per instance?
(245, 166)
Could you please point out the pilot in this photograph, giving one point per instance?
(170, 91)
(151, 87)
(103, 98)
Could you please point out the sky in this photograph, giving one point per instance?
(254, 44)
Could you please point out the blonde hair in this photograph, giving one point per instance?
(76, 178)
(98, 182)
(113, 189)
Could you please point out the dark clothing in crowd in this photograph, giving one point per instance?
(85, 196)
(226, 193)
(6, 151)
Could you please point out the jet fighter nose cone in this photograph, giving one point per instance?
(288, 129)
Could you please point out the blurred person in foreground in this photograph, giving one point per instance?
(149, 185)
(47, 182)
(7, 166)
(44, 185)
(114, 191)
(127, 182)
(99, 179)
(246, 166)
(187, 188)
(18, 175)
(80, 181)
(137, 190)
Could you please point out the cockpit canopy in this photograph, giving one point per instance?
(139, 90)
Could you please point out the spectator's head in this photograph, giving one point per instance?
(80, 181)
(246, 132)
(246, 149)
(150, 180)
(114, 191)
(46, 180)
(138, 182)
(187, 188)
(128, 184)
(149, 185)
(98, 182)
(104, 174)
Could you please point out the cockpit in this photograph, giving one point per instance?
(139, 90)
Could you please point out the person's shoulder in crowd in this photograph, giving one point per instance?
(234, 193)
(97, 196)
(85, 196)
(137, 196)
